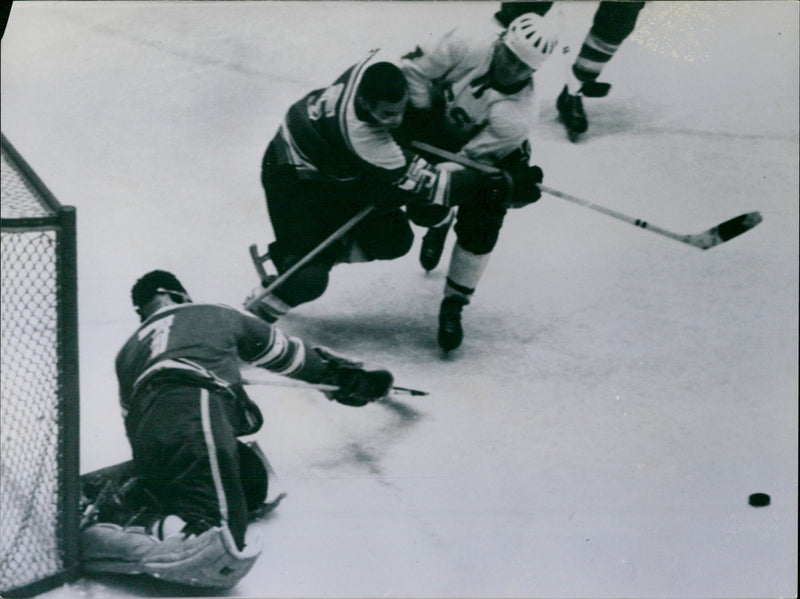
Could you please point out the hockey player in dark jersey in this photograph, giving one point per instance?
(472, 92)
(184, 405)
(333, 155)
(613, 22)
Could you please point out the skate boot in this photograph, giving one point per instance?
(450, 332)
(570, 109)
(432, 246)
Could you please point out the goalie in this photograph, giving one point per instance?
(179, 510)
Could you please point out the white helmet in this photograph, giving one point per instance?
(532, 38)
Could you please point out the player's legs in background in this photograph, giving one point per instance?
(613, 23)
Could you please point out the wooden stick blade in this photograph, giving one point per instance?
(725, 231)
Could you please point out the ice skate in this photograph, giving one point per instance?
(570, 109)
(261, 308)
(450, 332)
(432, 246)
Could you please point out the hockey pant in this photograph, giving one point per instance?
(305, 212)
(477, 228)
(186, 454)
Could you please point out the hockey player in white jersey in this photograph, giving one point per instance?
(472, 92)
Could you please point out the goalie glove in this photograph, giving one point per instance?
(356, 387)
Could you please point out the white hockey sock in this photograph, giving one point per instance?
(573, 84)
(465, 271)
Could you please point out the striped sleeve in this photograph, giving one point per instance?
(265, 346)
(284, 355)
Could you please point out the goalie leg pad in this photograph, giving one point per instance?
(208, 560)
(107, 547)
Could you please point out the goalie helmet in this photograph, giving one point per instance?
(154, 282)
(532, 38)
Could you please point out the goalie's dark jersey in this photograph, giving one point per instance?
(203, 342)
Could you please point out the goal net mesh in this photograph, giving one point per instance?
(37, 536)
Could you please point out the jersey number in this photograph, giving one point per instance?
(158, 333)
(325, 105)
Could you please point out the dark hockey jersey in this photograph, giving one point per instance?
(203, 343)
(323, 137)
(321, 134)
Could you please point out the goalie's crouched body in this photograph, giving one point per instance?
(180, 509)
(126, 531)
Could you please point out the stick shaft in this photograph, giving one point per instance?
(255, 378)
(464, 161)
(288, 383)
(705, 240)
(332, 238)
(612, 213)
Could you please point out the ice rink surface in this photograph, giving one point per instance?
(618, 395)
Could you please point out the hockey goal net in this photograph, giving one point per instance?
(39, 408)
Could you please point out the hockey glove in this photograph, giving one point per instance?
(526, 186)
(470, 186)
(356, 387)
(499, 188)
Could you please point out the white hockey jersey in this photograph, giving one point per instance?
(491, 121)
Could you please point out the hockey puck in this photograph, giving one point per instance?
(758, 499)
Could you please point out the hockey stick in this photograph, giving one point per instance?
(254, 378)
(707, 239)
(306, 259)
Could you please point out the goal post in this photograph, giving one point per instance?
(39, 388)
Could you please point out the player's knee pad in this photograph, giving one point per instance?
(478, 227)
(208, 560)
(478, 244)
(391, 245)
(383, 236)
(477, 239)
(306, 284)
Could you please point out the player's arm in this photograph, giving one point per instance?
(444, 184)
(427, 64)
(411, 178)
(125, 385)
(406, 176)
(504, 144)
(267, 347)
(426, 70)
